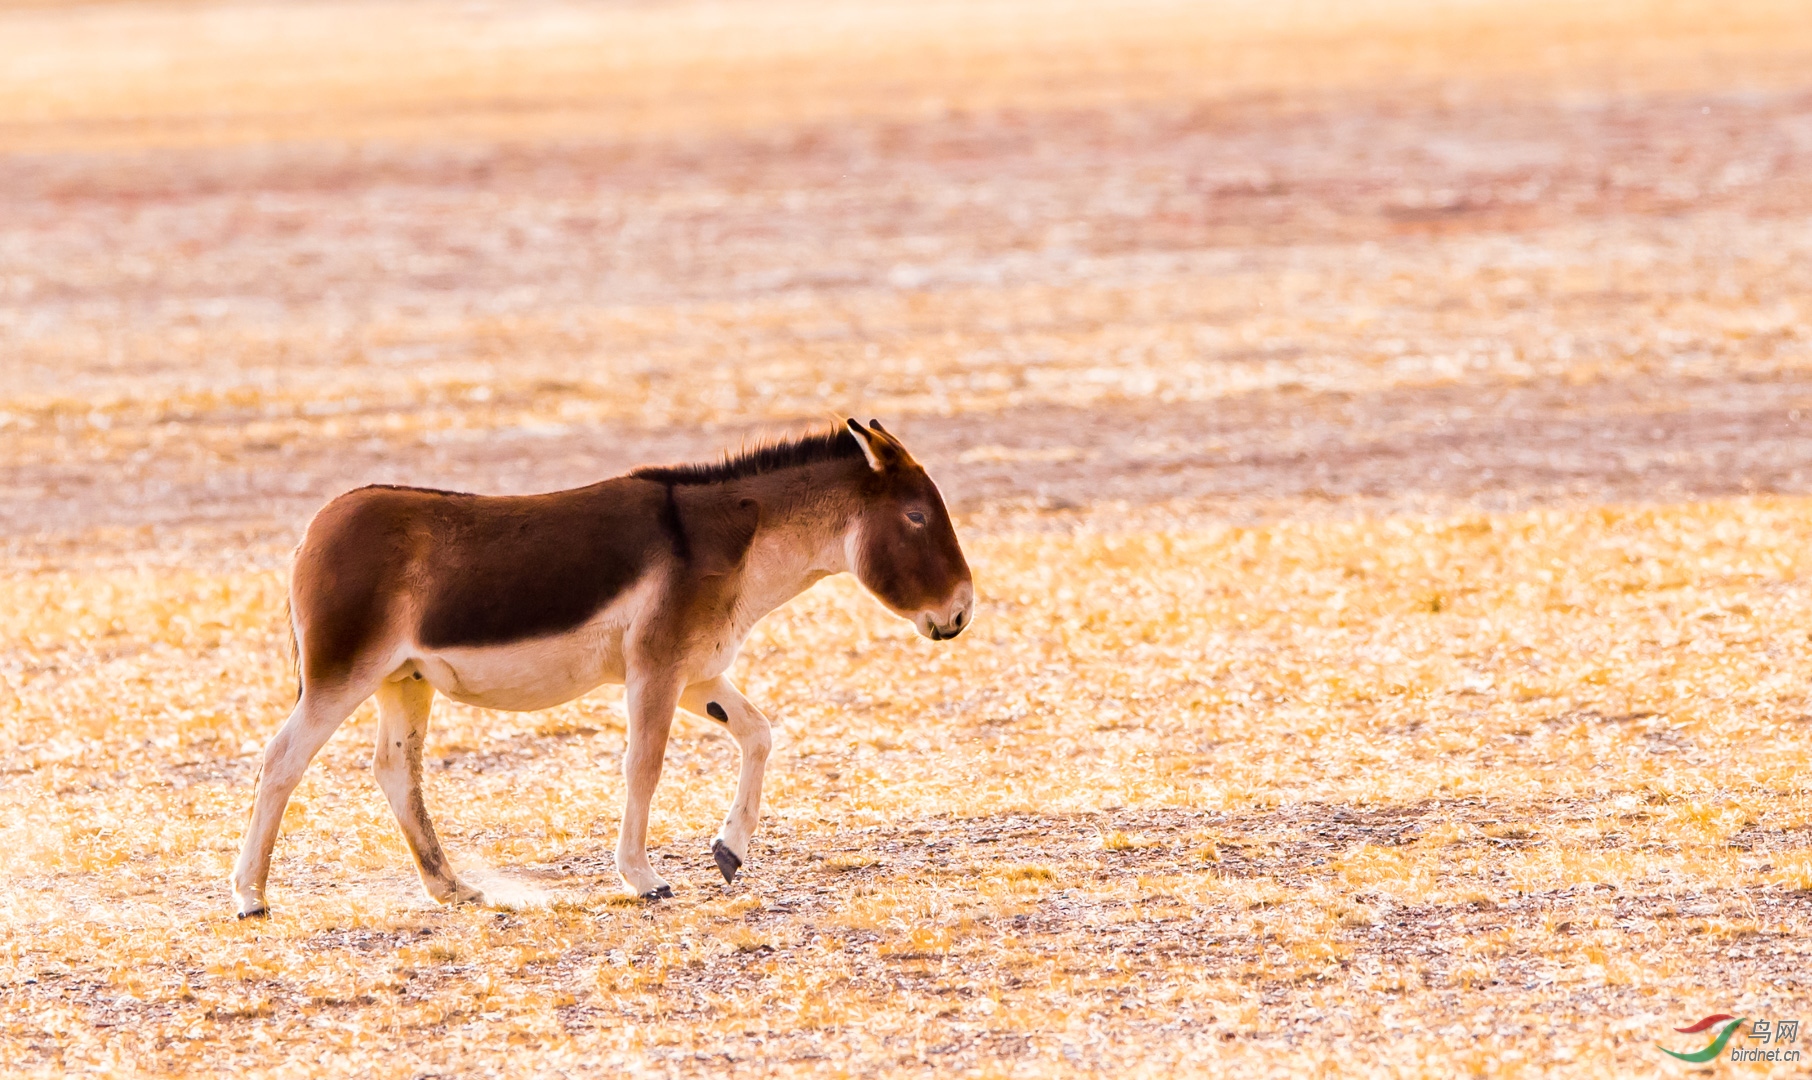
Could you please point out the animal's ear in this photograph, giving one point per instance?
(888, 448)
(874, 446)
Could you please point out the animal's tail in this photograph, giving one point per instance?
(295, 647)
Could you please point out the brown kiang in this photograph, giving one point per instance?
(651, 580)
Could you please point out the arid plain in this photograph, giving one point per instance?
(1382, 433)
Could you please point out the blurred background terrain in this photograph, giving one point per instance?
(1238, 256)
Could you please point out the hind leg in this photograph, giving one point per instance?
(403, 708)
(317, 716)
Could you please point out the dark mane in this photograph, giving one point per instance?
(833, 444)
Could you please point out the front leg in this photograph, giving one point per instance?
(652, 697)
(717, 699)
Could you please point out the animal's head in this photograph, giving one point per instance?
(902, 546)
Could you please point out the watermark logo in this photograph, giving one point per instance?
(1726, 1025)
(1756, 1047)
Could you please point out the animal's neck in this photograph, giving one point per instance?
(802, 539)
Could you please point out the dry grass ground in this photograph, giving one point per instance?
(1379, 430)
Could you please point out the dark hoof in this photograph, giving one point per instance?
(727, 862)
(665, 892)
(261, 913)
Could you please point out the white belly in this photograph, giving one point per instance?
(537, 673)
(526, 675)
(540, 673)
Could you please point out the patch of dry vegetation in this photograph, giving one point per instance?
(1265, 790)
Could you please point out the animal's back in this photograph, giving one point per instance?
(469, 569)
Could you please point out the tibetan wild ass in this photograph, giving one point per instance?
(651, 580)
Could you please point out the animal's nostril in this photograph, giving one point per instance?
(959, 620)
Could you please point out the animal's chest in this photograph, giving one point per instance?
(712, 656)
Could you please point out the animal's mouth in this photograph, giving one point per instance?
(935, 632)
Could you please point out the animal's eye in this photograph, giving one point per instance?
(915, 517)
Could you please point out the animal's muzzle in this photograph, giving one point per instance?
(953, 628)
(953, 619)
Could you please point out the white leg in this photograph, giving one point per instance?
(403, 708)
(650, 706)
(316, 717)
(720, 701)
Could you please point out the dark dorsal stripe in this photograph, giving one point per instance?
(419, 490)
